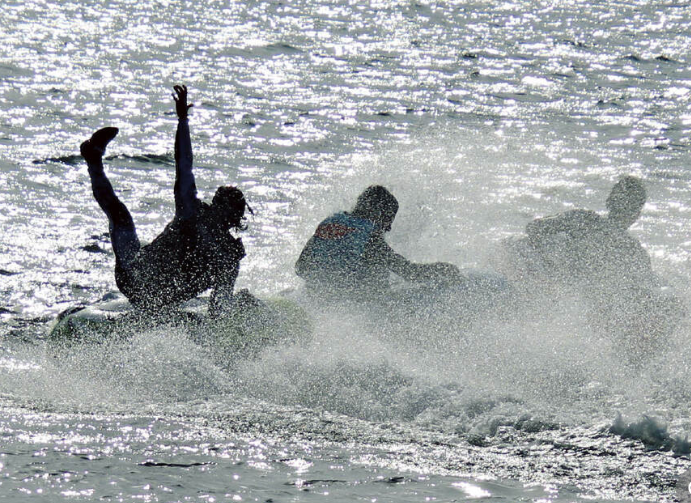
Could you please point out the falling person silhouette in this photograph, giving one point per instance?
(195, 252)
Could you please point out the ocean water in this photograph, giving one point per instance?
(479, 116)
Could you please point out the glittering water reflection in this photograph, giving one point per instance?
(479, 116)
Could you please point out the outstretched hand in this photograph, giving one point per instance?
(180, 97)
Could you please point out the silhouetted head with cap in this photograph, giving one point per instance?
(626, 201)
(378, 205)
(229, 206)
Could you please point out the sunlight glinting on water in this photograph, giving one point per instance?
(478, 116)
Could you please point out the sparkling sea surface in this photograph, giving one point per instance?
(479, 116)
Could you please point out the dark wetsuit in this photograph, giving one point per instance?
(192, 254)
(331, 263)
(189, 257)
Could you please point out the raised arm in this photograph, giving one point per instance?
(185, 188)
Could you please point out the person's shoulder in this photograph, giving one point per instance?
(363, 224)
(203, 208)
(338, 216)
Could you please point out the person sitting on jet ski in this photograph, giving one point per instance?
(347, 254)
(594, 256)
(196, 250)
(582, 245)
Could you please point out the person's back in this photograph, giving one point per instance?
(334, 257)
(591, 250)
(348, 257)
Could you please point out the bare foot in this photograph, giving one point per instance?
(95, 147)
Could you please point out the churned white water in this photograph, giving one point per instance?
(479, 116)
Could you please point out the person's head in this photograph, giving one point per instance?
(626, 201)
(229, 206)
(378, 205)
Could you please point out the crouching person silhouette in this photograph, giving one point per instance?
(347, 257)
